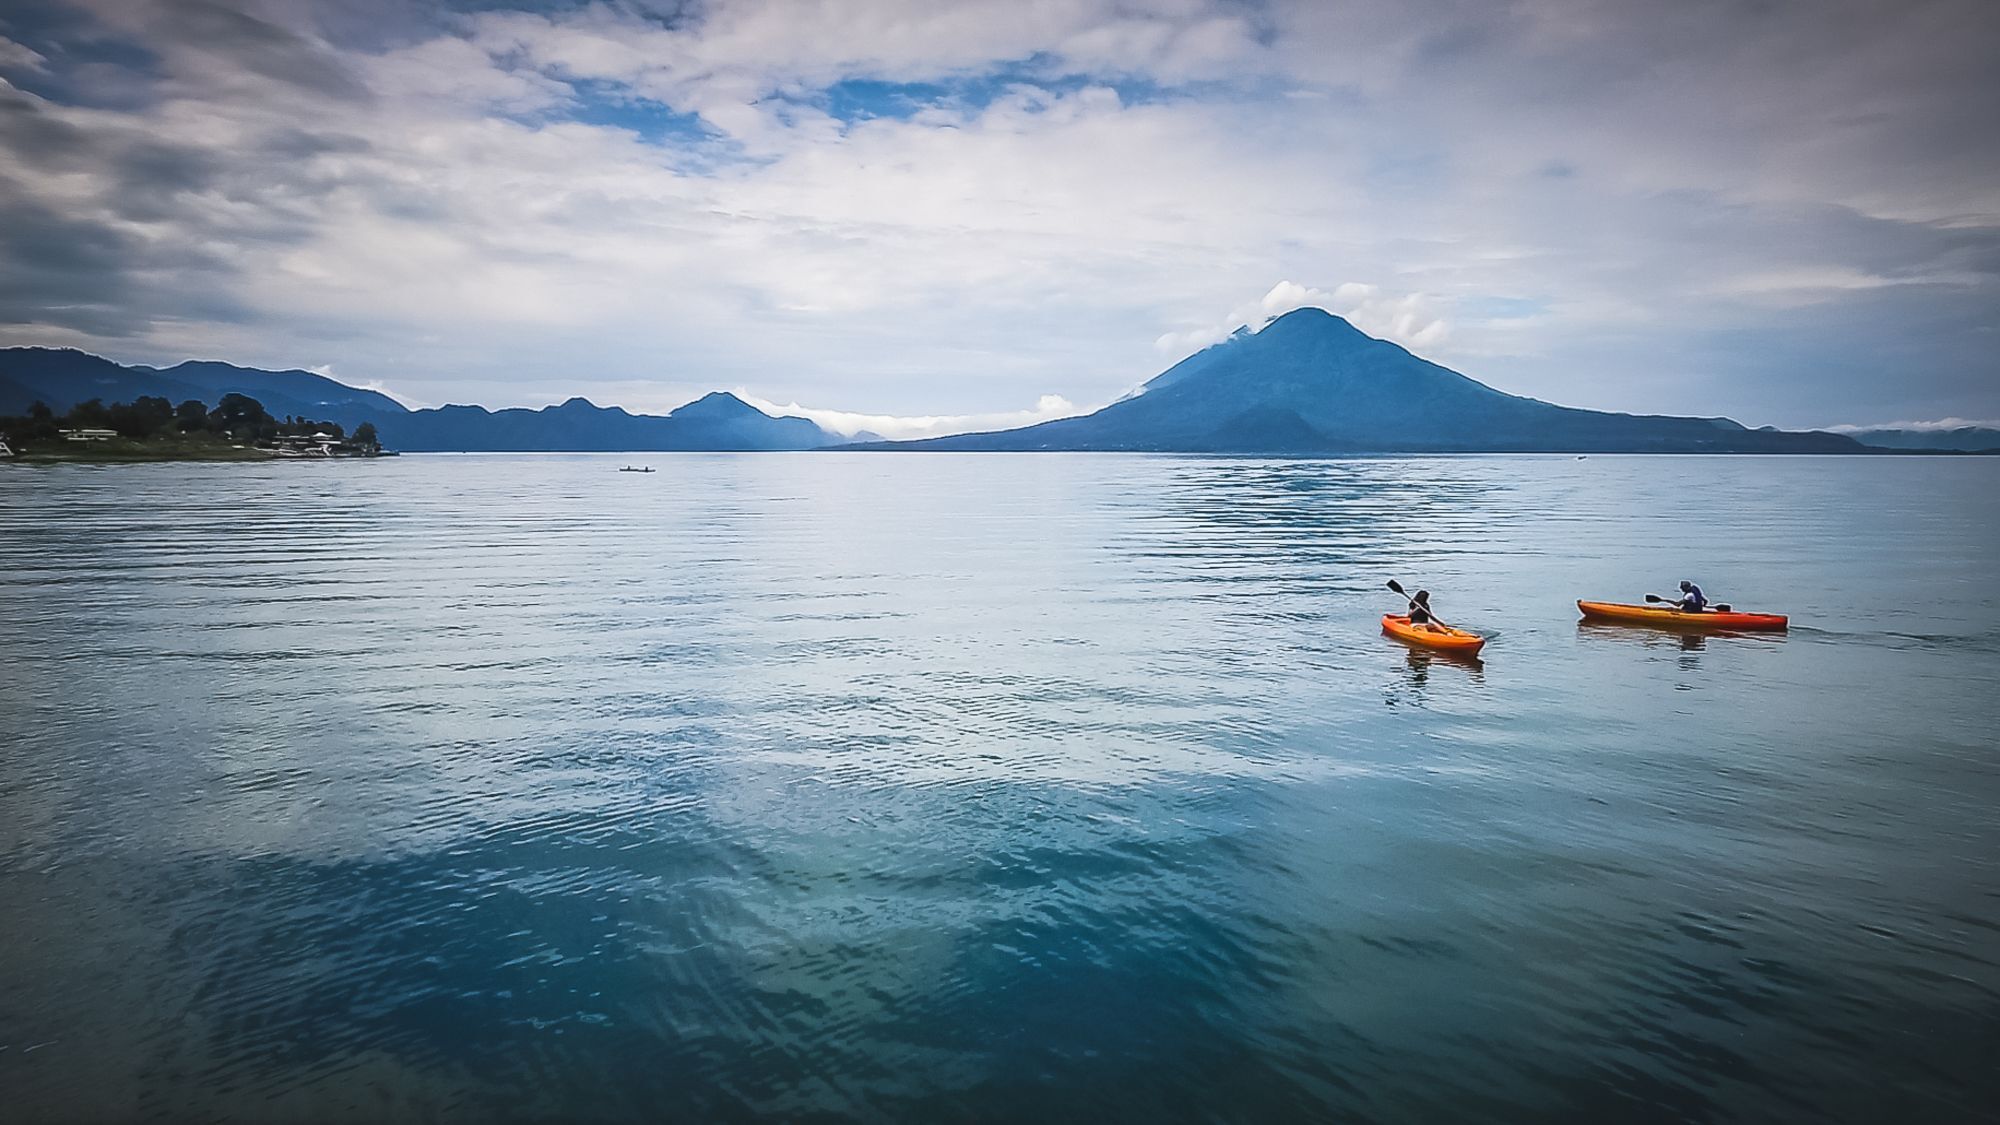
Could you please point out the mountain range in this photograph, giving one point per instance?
(719, 421)
(1306, 383)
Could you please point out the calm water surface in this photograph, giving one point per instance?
(934, 788)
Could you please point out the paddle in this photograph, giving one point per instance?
(1398, 587)
(1718, 607)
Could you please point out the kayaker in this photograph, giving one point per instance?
(1420, 608)
(1692, 599)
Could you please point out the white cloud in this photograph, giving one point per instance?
(1409, 319)
(1817, 285)
(455, 73)
(1921, 427)
(376, 385)
(898, 427)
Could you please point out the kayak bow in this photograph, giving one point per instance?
(1673, 618)
(1443, 637)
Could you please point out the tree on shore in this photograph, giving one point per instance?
(142, 418)
(242, 418)
(40, 424)
(88, 415)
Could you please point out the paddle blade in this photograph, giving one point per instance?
(1654, 598)
(1396, 586)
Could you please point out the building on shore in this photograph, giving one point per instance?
(88, 434)
(321, 444)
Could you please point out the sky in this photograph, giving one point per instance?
(920, 216)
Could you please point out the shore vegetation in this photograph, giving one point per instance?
(149, 428)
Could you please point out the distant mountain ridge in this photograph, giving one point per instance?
(63, 377)
(1961, 439)
(312, 391)
(1309, 382)
(716, 422)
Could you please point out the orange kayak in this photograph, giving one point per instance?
(1432, 635)
(1674, 618)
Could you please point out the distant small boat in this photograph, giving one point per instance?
(634, 469)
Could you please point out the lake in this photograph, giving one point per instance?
(962, 787)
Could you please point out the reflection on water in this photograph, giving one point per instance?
(934, 787)
(1417, 664)
(1688, 643)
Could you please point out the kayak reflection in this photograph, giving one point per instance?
(1686, 640)
(1418, 662)
(1412, 684)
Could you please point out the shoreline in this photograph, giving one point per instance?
(235, 454)
(123, 457)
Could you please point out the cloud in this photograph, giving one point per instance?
(726, 61)
(17, 56)
(215, 46)
(903, 427)
(376, 385)
(1408, 319)
(1921, 427)
(939, 208)
(1807, 286)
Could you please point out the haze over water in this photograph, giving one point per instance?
(959, 787)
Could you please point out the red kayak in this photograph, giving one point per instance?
(1674, 618)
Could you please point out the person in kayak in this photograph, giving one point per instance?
(1420, 609)
(1692, 599)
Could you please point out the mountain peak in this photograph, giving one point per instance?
(1305, 312)
(1313, 321)
(1308, 332)
(717, 404)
